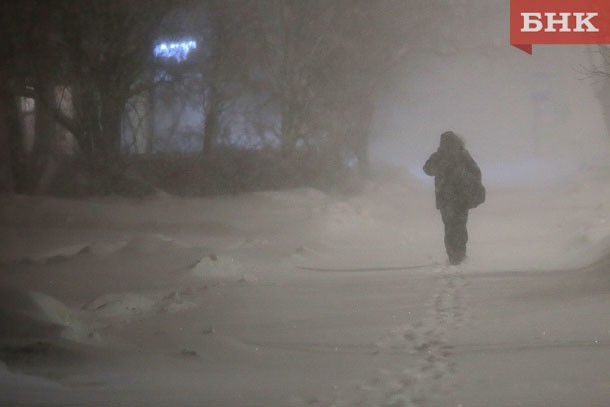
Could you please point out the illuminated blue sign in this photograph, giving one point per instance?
(178, 50)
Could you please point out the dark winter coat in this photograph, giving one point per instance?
(457, 177)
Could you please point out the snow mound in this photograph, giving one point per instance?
(150, 243)
(250, 243)
(23, 382)
(99, 248)
(302, 253)
(36, 315)
(221, 269)
(59, 254)
(589, 245)
(103, 248)
(145, 243)
(298, 196)
(120, 305)
(344, 217)
(174, 302)
(128, 306)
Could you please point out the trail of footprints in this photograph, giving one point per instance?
(426, 341)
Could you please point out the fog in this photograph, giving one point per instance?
(253, 226)
(528, 120)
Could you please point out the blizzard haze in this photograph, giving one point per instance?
(527, 120)
(299, 273)
(299, 298)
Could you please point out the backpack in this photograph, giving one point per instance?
(475, 190)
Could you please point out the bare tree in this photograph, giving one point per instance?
(99, 51)
(324, 63)
(599, 69)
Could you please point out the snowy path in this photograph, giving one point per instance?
(207, 302)
(435, 338)
(534, 339)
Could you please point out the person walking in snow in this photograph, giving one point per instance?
(458, 188)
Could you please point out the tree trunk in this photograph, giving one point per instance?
(109, 140)
(107, 166)
(215, 77)
(11, 155)
(86, 113)
(43, 166)
(290, 129)
(361, 139)
(211, 130)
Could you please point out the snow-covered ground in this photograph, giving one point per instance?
(300, 298)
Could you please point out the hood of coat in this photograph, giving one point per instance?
(450, 142)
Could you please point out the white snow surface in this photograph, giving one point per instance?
(233, 300)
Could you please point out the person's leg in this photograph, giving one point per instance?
(456, 234)
(460, 234)
(447, 214)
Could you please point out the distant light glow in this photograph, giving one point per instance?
(178, 50)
